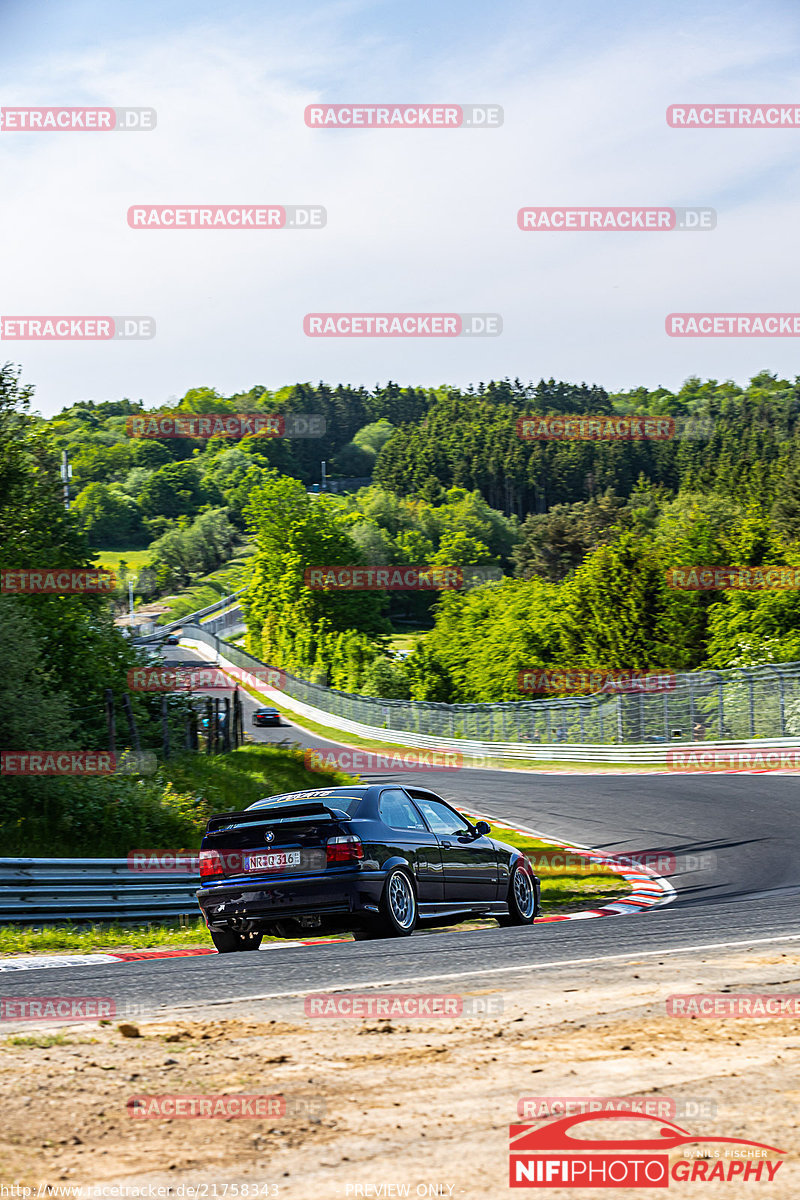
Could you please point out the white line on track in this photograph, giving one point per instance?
(564, 962)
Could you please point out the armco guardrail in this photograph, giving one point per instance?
(35, 890)
(193, 617)
(228, 621)
(488, 754)
(705, 706)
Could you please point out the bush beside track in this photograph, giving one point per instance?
(108, 817)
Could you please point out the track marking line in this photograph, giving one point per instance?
(565, 962)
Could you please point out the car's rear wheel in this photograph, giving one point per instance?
(398, 906)
(521, 898)
(229, 941)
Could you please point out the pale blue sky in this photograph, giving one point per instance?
(417, 221)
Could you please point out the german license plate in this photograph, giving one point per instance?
(273, 861)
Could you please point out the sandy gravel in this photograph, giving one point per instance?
(423, 1105)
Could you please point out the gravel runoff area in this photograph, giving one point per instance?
(377, 1106)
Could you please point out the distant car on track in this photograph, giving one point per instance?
(375, 860)
(266, 716)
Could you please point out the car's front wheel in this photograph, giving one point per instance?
(229, 941)
(398, 906)
(521, 898)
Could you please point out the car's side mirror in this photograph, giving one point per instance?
(482, 827)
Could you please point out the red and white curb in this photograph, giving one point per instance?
(649, 890)
(30, 962)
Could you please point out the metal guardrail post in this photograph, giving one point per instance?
(666, 717)
(781, 696)
(720, 705)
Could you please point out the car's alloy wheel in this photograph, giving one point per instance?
(228, 941)
(521, 898)
(398, 905)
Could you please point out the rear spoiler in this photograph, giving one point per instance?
(282, 811)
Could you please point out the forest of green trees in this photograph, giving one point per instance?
(581, 533)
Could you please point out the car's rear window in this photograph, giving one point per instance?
(347, 804)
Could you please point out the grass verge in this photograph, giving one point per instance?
(240, 777)
(111, 935)
(209, 588)
(134, 559)
(569, 882)
(516, 764)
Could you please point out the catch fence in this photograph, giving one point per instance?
(731, 705)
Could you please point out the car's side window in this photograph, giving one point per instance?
(397, 811)
(441, 818)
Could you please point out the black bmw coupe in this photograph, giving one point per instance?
(375, 860)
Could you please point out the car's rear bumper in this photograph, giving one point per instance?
(264, 900)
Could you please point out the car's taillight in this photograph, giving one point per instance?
(210, 863)
(344, 849)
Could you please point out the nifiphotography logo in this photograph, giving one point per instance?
(555, 1155)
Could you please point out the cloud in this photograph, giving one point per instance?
(417, 221)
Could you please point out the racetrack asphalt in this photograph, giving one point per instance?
(735, 838)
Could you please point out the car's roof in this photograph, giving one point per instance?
(364, 791)
(266, 708)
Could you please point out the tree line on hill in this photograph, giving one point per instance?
(583, 531)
